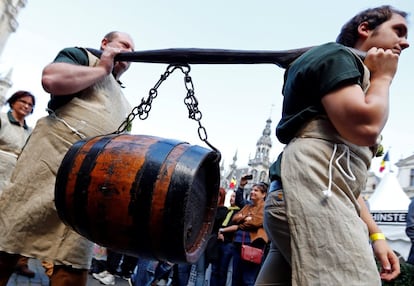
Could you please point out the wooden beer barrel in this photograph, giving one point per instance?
(140, 195)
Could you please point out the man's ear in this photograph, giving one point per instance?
(364, 30)
(104, 42)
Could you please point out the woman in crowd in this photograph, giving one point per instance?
(248, 227)
(219, 267)
(13, 135)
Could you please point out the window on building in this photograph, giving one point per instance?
(411, 177)
(263, 176)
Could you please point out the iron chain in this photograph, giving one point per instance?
(142, 110)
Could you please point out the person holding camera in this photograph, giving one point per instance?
(247, 226)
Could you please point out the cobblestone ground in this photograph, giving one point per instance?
(41, 279)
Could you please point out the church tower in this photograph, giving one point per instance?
(260, 164)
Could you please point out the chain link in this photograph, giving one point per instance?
(142, 110)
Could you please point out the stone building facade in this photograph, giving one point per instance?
(406, 175)
(9, 10)
(258, 166)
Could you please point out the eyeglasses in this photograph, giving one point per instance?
(25, 102)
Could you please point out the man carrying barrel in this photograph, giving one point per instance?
(86, 100)
(334, 108)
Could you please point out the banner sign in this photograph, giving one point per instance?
(390, 217)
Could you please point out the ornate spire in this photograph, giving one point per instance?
(265, 139)
(261, 162)
(233, 166)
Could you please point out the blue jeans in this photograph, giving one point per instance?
(184, 270)
(244, 272)
(149, 270)
(183, 274)
(219, 269)
(279, 257)
(144, 272)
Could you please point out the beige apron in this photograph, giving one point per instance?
(29, 223)
(329, 241)
(12, 140)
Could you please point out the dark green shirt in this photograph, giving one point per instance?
(314, 74)
(76, 56)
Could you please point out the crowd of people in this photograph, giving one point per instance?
(240, 223)
(311, 221)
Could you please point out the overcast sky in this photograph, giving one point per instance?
(235, 100)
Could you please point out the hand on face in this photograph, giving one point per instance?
(384, 45)
(118, 67)
(382, 63)
(121, 43)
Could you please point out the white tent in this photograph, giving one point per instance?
(388, 205)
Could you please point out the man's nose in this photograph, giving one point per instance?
(404, 44)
